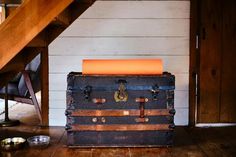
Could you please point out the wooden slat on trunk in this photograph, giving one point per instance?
(147, 112)
(123, 127)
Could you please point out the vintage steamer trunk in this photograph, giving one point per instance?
(120, 111)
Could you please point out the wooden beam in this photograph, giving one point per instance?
(10, 1)
(194, 60)
(74, 10)
(77, 8)
(6, 77)
(44, 87)
(39, 41)
(17, 64)
(25, 23)
(63, 18)
(10, 10)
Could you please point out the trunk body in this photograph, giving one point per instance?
(120, 111)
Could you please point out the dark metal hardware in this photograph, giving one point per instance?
(87, 92)
(103, 120)
(67, 113)
(170, 94)
(170, 119)
(121, 94)
(165, 73)
(172, 111)
(172, 126)
(155, 91)
(68, 127)
(94, 120)
(121, 81)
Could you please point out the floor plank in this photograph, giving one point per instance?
(184, 146)
(149, 152)
(188, 142)
(63, 151)
(110, 152)
(212, 143)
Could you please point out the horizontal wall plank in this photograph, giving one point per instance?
(57, 104)
(182, 81)
(57, 82)
(181, 116)
(57, 117)
(57, 95)
(181, 99)
(128, 27)
(65, 64)
(138, 9)
(119, 46)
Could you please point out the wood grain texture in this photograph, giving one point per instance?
(118, 113)
(193, 57)
(31, 11)
(197, 142)
(44, 87)
(210, 61)
(117, 127)
(228, 76)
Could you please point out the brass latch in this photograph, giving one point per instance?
(121, 94)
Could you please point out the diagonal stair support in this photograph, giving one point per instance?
(27, 21)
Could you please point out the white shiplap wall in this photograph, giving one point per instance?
(123, 29)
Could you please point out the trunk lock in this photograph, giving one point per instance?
(121, 94)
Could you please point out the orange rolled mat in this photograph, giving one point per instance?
(122, 67)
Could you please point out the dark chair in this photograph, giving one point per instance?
(24, 86)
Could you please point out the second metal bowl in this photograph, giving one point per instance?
(40, 141)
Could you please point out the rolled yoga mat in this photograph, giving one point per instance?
(122, 66)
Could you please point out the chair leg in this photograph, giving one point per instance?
(32, 94)
(7, 122)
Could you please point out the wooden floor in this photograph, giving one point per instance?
(195, 142)
(188, 142)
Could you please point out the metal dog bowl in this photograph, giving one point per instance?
(40, 141)
(12, 143)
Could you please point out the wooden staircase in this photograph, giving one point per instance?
(28, 31)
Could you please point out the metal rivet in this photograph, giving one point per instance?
(146, 119)
(94, 120)
(103, 120)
